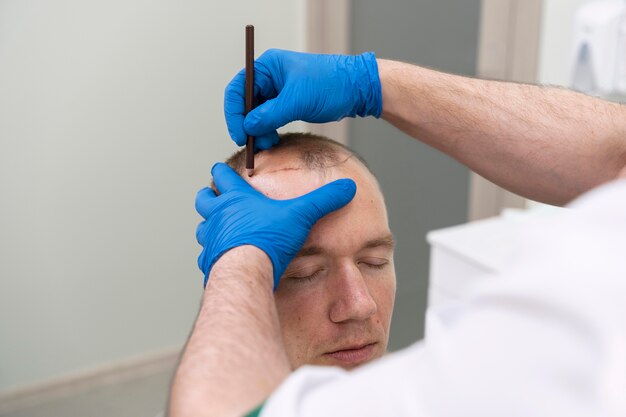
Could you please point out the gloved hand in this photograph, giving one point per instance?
(240, 215)
(299, 86)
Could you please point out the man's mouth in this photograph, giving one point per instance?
(354, 354)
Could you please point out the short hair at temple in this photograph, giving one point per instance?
(315, 152)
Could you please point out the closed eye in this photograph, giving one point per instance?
(374, 266)
(309, 277)
(378, 264)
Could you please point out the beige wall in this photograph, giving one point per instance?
(110, 119)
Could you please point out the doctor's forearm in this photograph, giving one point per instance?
(544, 143)
(234, 357)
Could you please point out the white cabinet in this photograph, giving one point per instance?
(463, 257)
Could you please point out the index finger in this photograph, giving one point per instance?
(226, 179)
(204, 200)
(234, 107)
(234, 98)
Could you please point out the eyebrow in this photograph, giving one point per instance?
(385, 241)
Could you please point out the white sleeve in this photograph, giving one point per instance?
(547, 339)
(387, 387)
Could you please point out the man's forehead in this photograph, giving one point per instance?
(284, 174)
(362, 224)
(268, 162)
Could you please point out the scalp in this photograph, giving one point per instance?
(312, 151)
(298, 151)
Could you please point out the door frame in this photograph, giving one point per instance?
(508, 49)
(328, 32)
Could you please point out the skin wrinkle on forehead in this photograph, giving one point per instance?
(296, 166)
(322, 170)
(315, 168)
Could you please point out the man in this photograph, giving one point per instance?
(548, 338)
(335, 299)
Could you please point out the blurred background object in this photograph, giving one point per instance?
(599, 48)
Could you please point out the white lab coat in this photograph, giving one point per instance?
(547, 339)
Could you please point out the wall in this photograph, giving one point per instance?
(555, 56)
(424, 189)
(110, 119)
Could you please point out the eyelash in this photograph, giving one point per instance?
(311, 277)
(375, 266)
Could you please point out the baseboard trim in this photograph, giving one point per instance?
(127, 369)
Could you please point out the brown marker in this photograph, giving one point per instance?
(249, 95)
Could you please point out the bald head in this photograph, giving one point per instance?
(306, 151)
(299, 161)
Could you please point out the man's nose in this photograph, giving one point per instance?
(351, 296)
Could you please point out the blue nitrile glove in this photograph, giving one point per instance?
(299, 86)
(241, 215)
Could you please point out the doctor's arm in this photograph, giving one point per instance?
(545, 143)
